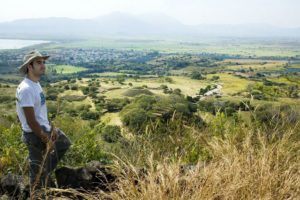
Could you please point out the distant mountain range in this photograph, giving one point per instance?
(122, 24)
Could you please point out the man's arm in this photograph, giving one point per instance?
(35, 127)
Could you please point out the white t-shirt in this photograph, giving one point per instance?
(30, 94)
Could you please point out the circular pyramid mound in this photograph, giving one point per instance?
(136, 91)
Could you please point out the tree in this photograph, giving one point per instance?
(177, 91)
(67, 87)
(214, 78)
(196, 75)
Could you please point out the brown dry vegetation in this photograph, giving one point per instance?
(248, 165)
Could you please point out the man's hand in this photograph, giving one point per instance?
(50, 145)
(54, 133)
(35, 127)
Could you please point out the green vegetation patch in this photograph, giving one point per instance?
(73, 98)
(69, 69)
(145, 108)
(296, 66)
(263, 66)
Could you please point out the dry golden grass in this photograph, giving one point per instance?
(111, 119)
(62, 194)
(250, 167)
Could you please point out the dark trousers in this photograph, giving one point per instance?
(36, 152)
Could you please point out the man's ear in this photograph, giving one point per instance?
(29, 67)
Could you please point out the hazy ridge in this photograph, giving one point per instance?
(122, 24)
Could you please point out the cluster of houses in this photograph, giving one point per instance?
(73, 56)
(78, 55)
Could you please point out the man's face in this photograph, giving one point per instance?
(39, 67)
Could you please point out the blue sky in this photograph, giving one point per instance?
(281, 13)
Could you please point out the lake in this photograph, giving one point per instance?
(18, 44)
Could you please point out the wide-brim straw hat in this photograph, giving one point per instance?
(29, 58)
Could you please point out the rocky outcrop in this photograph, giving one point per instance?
(93, 176)
(15, 186)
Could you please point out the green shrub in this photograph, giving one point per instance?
(177, 91)
(85, 148)
(214, 78)
(169, 79)
(273, 116)
(88, 115)
(13, 151)
(74, 87)
(226, 107)
(85, 144)
(67, 87)
(52, 108)
(52, 94)
(72, 81)
(85, 90)
(134, 118)
(115, 104)
(196, 75)
(111, 134)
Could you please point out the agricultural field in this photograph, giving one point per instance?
(256, 65)
(68, 69)
(14, 77)
(231, 84)
(252, 48)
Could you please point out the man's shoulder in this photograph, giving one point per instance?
(25, 86)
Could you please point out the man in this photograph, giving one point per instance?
(46, 144)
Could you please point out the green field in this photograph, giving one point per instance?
(15, 77)
(68, 69)
(231, 84)
(243, 47)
